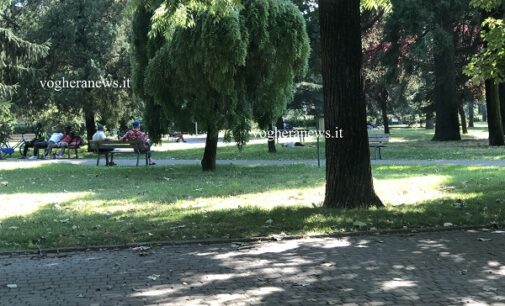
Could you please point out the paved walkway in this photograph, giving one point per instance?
(20, 163)
(449, 268)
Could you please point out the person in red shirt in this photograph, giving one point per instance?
(136, 134)
(65, 141)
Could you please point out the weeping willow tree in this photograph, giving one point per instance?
(220, 63)
(16, 56)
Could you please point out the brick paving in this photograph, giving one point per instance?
(447, 268)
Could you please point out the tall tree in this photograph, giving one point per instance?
(349, 181)
(222, 66)
(17, 56)
(88, 45)
(434, 25)
(489, 65)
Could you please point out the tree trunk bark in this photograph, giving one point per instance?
(383, 100)
(430, 117)
(446, 104)
(501, 92)
(271, 142)
(471, 111)
(89, 121)
(349, 181)
(494, 120)
(271, 137)
(462, 116)
(210, 152)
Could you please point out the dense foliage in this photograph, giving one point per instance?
(221, 68)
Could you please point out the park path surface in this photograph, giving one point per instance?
(439, 268)
(20, 163)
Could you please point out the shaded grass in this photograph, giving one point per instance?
(64, 205)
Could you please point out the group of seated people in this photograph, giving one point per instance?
(61, 139)
(133, 134)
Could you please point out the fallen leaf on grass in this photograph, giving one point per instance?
(154, 277)
(359, 224)
(141, 248)
(279, 237)
(177, 227)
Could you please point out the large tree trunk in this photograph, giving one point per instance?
(446, 104)
(462, 116)
(271, 137)
(501, 91)
(210, 152)
(471, 113)
(383, 100)
(494, 121)
(430, 118)
(349, 181)
(271, 142)
(89, 121)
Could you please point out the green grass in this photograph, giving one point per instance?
(405, 144)
(58, 205)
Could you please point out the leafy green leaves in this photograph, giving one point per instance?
(489, 63)
(221, 62)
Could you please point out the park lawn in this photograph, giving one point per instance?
(406, 144)
(53, 206)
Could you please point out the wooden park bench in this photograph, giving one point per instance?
(119, 147)
(378, 141)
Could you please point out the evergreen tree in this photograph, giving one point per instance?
(88, 43)
(16, 57)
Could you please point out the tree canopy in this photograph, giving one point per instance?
(223, 68)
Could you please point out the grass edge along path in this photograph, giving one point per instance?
(55, 206)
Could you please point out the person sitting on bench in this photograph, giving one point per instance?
(39, 137)
(100, 136)
(53, 142)
(136, 134)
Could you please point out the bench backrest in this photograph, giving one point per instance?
(15, 138)
(378, 138)
(117, 144)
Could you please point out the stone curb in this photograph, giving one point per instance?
(411, 231)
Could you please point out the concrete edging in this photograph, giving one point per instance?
(411, 231)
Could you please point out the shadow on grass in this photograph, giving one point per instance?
(150, 212)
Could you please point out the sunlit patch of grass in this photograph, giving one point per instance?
(24, 204)
(84, 206)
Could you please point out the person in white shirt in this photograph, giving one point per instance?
(100, 136)
(53, 142)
